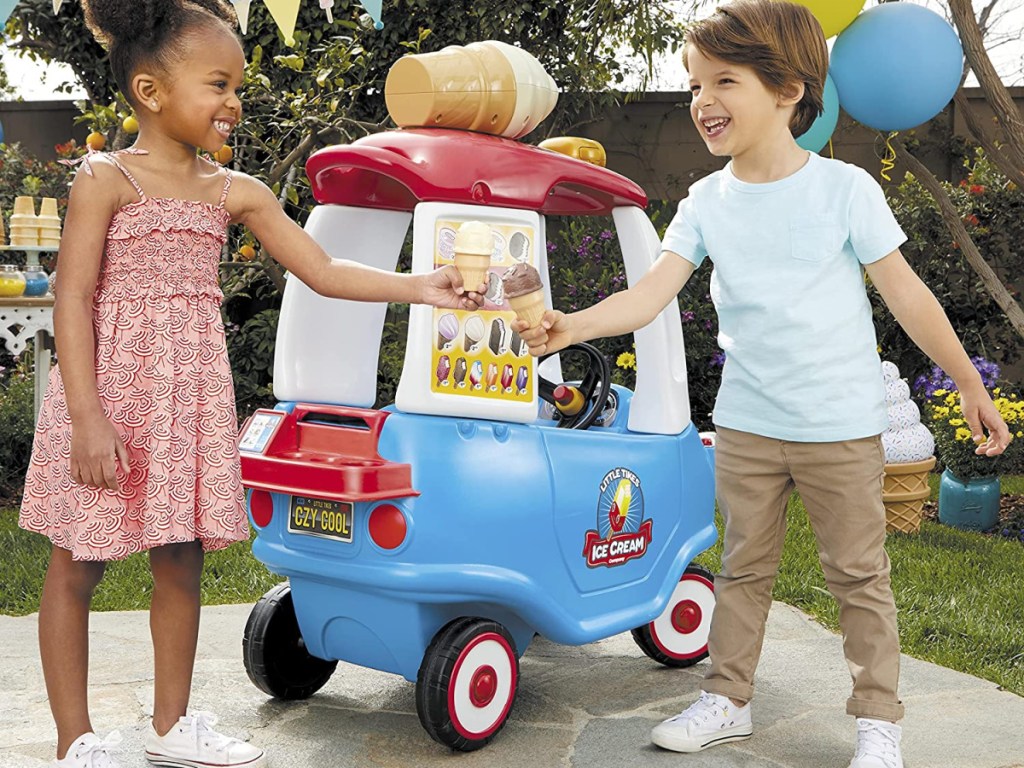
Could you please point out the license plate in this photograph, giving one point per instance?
(320, 517)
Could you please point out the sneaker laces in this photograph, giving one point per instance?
(97, 754)
(702, 710)
(201, 729)
(874, 740)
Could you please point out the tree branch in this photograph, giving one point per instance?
(989, 279)
(982, 135)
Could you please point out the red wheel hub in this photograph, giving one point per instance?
(686, 617)
(483, 686)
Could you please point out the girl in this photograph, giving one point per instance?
(791, 235)
(136, 442)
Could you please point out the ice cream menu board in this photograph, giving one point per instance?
(477, 354)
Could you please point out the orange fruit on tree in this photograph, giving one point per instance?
(246, 253)
(130, 124)
(223, 155)
(96, 141)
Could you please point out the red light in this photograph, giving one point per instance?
(261, 506)
(387, 526)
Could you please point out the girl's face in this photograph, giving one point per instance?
(733, 110)
(200, 106)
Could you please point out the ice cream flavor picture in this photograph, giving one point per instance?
(459, 374)
(474, 333)
(447, 330)
(506, 377)
(492, 376)
(498, 342)
(522, 378)
(525, 293)
(518, 346)
(444, 365)
(519, 247)
(446, 243)
(495, 289)
(476, 374)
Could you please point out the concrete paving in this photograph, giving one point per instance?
(586, 707)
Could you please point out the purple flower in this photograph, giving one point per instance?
(708, 325)
(718, 359)
(687, 316)
(937, 379)
(606, 234)
(552, 247)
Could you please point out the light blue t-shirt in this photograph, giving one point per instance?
(801, 360)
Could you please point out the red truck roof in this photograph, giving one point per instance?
(398, 169)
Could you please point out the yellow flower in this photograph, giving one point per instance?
(950, 399)
(956, 422)
(940, 392)
(626, 360)
(963, 434)
(996, 391)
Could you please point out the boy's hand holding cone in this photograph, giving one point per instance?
(525, 293)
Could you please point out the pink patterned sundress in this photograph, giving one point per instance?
(164, 380)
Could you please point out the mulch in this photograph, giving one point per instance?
(1011, 516)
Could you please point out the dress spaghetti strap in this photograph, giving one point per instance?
(227, 188)
(127, 174)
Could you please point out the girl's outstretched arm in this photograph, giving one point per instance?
(919, 313)
(96, 447)
(253, 204)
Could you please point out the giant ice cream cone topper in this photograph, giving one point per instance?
(490, 87)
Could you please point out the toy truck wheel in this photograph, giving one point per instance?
(274, 653)
(679, 636)
(467, 683)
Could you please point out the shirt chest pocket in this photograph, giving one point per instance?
(815, 240)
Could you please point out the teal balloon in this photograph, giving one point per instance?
(6, 6)
(821, 130)
(896, 66)
(373, 7)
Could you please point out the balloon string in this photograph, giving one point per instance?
(889, 159)
(831, 154)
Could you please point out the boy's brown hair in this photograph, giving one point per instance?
(781, 41)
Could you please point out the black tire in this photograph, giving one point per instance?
(274, 653)
(462, 698)
(688, 627)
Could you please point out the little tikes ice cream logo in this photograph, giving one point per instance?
(622, 533)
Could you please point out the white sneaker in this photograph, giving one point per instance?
(192, 743)
(90, 751)
(878, 744)
(710, 720)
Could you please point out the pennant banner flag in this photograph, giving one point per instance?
(373, 7)
(285, 12)
(242, 11)
(56, 5)
(6, 6)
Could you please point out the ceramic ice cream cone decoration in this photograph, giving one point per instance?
(525, 293)
(908, 447)
(490, 86)
(473, 246)
(49, 224)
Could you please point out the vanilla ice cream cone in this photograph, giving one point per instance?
(473, 246)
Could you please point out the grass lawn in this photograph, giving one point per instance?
(959, 593)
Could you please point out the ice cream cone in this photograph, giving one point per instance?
(529, 308)
(904, 489)
(48, 207)
(473, 267)
(24, 206)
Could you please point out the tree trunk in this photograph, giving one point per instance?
(951, 217)
(1009, 117)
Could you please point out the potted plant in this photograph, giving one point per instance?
(969, 488)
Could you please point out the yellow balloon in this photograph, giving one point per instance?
(833, 15)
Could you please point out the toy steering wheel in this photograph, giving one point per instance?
(595, 386)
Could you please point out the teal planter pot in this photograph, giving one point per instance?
(971, 505)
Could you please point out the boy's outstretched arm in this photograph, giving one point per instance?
(620, 313)
(253, 204)
(919, 313)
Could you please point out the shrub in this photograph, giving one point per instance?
(17, 427)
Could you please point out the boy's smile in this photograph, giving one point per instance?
(736, 114)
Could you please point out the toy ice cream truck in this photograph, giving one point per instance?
(493, 501)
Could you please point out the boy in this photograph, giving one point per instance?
(801, 403)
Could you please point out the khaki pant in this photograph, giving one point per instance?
(841, 487)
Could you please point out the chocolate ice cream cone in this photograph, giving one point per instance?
(529, 308)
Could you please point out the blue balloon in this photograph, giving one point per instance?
(821, 129)
(897, 66)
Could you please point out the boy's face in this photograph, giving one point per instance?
(733, 109)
